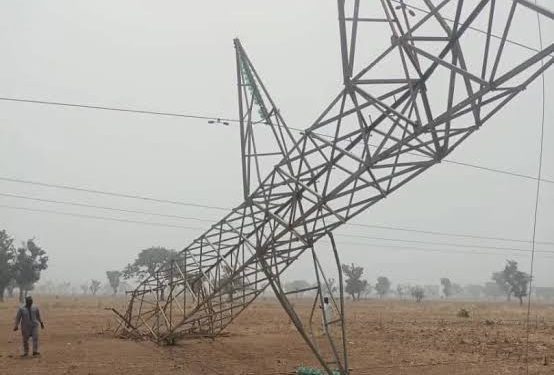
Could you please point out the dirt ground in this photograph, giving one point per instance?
(385, 337)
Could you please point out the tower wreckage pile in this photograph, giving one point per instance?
(443, 70)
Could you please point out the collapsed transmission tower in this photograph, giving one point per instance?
(444, 69)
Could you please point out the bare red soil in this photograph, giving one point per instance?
(385, 337)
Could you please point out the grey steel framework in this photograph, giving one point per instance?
(441, 74)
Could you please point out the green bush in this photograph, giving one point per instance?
(312, 371)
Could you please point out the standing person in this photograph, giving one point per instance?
(29, 318)
(327, 313)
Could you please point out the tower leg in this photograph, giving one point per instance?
(329, 348)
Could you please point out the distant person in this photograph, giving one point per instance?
(29, 318)
(327, 313)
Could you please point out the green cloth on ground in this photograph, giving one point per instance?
(312, 371)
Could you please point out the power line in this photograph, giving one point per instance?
(113, 194)
(475, 166)
(438, 233)
(501, 171)
(537, 196)
(86, 205)
(104, 218)
(100, 217)
(376, 226)
(218, 119)
(440, 251)
(442, 243)
(213, 118)
(117, 109)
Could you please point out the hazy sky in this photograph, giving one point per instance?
(178, 56)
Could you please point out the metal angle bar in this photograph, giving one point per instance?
(283, 223)
(358, 138)
(396, 163)
(343, 42)
(303, 164)
(471, 17)
(510, 97)
(336, 356)
(278, 133)
(250, 137)
(447, 65)
(487, 43)
(341, 299)
(245, 239)
(427, 38)
(385, 107)
(223, 258)
(370, 202)
(316, 149)
(384, 81)
(353, 37)
(366, 19)
(362, 123)
(375, 61)
(319, 196)
(383, 179)
(458, 131)
(263, 154)
(414, 87)
(400, 164)
(245, 181)
(388, 135)
(223, 307)
(300, 290)
(483, 91)
(242, 308)
(424, 150)
(373, 199)
(337, 148)
(503, 40)
(187, 284)
(411, 148)
(521, 67)
(457, 55)
(461, 111)
(249, 261)
(356, 109)
(277, 289)
(398, 33)
(509, 75)
(393, 45)
(365, 152)
(452, 83)
(319, 149)
(537, 8)
(477, 29)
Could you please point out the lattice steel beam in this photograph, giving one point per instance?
(398, 113)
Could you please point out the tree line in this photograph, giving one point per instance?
(509, 282)
(20, 266)
(145, 264)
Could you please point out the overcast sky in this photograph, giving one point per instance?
(178, 56)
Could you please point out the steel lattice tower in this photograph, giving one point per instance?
(442, 74)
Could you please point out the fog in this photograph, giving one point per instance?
(178, 56)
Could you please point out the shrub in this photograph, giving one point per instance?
(463, 313)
